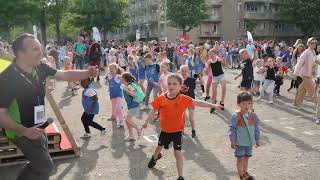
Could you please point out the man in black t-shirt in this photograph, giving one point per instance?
(22, 110)
(246, 70)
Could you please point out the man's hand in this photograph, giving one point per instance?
(93, 71)
(33, 133)
(233, 145)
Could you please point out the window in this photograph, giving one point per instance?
(252, 7)
(214, 28)
(238, 24)
(264, 25)
(239, 6)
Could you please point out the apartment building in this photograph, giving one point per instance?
(227, 20)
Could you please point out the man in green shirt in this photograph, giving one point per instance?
(79, 50)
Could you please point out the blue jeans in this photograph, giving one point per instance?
(151, 86)
(79, 62)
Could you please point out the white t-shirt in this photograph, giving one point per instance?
(90, 92)
(256, 75)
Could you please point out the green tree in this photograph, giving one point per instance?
(186, 14)
(304, 14)
(250, 25)
(106, 15)
(15, 13)
(56, 10)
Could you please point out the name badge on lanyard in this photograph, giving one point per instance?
(39, 114)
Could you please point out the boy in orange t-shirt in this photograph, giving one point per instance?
(171, 107)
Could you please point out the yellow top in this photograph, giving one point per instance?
(4, 64)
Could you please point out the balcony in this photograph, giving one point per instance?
(213, 19)
(207, 34)
(214, 2)
(260, 1)
(266, 15)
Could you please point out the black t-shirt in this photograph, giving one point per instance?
(19, 96)
(247, 70)
(271, 73)
(216, 68)
(189, 85)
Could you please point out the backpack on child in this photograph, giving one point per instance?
(139, 93)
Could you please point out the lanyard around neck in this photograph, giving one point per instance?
(35, 85)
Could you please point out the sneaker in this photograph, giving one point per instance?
(140, 133)
(153, 161)
(297, 107)
(206, 98)
(193, 133)
(103, 132)
(270, 102)
(180, 178)
(129, 138)
(259, 98)
(86, 135)
(222, 106)
(318, 121)
(248, 176)
(143, 107)
(212, 110)
(120, 124)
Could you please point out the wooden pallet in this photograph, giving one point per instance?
(22, 160)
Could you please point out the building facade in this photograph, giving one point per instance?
(227, 20)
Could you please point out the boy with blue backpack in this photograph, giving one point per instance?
(133, 96)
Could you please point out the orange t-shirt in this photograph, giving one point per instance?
(171, 112)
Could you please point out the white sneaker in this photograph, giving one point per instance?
(129, 138)
(140, 133)
(86, 135)
(143, 107)
(259, 98)
(103, 132)
(318, 121)
(270, 102)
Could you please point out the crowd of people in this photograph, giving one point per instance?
(172, 72)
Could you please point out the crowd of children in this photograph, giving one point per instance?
(132, 79)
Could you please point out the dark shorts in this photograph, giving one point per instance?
(243, 151)
(166, 138)
(246, 84)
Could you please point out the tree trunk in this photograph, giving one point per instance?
(184, 31)
(104, 35)
(43, 27)
(58, 32)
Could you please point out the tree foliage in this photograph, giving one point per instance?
(186, 14)
(66, 17)
(106, 15)
(304, 14)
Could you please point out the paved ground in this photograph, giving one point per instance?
(290, 144)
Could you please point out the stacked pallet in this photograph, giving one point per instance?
(10, 154)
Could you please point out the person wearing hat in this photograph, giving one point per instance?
(306, 68)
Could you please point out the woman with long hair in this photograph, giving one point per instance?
(296, 81)
(95, 56)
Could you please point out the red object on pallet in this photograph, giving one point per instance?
(64, 143)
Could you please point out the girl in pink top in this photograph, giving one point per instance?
(164, 68)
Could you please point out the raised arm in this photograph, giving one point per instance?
(75, 75)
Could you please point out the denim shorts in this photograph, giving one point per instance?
(218, 79)
(243, 151)
(134, 112)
